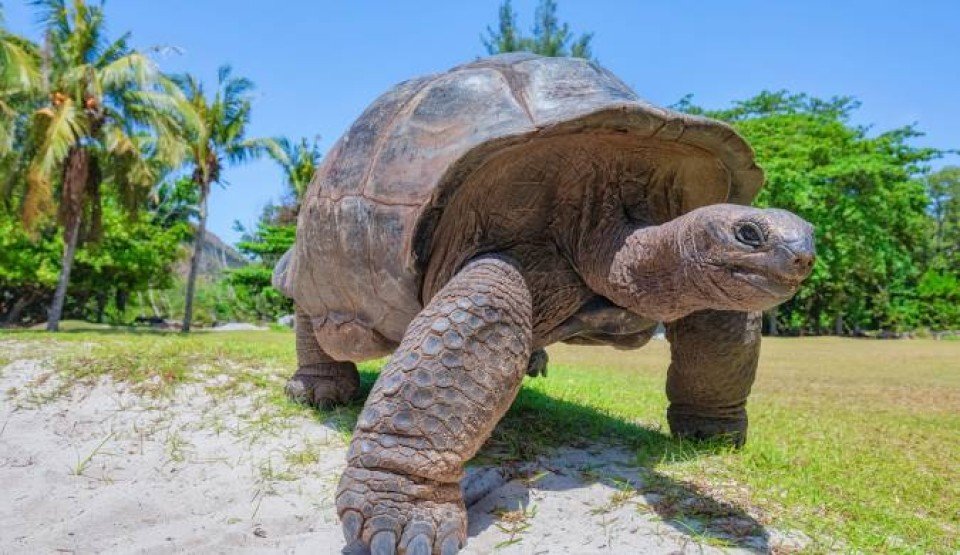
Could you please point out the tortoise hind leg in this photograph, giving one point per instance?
(320, 380)
(538, 364)
(456, 372)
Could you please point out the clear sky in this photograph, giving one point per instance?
(318, 64)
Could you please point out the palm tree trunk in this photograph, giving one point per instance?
(66, 264)
(195, 259)
(75, 174)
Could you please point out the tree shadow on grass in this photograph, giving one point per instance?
(538, 426)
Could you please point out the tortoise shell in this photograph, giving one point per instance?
(366, 228)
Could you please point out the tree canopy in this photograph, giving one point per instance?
(548, 37)
(867, 197)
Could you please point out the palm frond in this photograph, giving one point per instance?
(236, 89)
(282, 151)
(133, 169)
(19, 64)
(75, 80)
(52, 14)
(223, 73)
(297, 160)
(130, 70)
(250, 149)
(188, 84)
(38, 199)
(114, 51)
(55, 131)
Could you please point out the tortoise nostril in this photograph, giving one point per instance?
(803, 261)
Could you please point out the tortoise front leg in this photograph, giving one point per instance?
(319, 380)
(714, 361)
(454, 376)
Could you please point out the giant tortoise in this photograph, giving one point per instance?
(469, 219)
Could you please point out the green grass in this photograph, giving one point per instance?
(855, 443)
(851, 441)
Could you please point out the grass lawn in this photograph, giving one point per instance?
(855, 443)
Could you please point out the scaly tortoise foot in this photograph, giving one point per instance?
(393, 513)
(324, 385)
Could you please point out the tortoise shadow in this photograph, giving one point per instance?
(525, 444)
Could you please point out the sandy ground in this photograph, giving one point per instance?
(104, 470)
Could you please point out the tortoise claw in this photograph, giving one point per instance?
(384, 543)
(352, 522)
(324, 385)
(450, 545)
(419, 545)
(373, 508)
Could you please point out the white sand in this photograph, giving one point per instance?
(104, 470)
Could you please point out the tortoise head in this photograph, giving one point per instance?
(720, 257)
(744, 258)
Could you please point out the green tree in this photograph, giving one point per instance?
(864, 194)
(134, 254)
(548, 37)
(944, 189)
(174, 203)
(28, 269)
(275, 231)
(109, 119)
(252, 286)
(217, 138)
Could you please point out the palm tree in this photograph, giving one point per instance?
(19, 86)
(19, 77)
(217, 138)
(298, 162)
(108, 119)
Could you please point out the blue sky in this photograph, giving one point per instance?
(318, 64)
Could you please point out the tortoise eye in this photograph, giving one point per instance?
(750, 234)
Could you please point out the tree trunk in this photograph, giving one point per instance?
(153, 303)
(838, 325)
(13, 316)
(101, 298)
(120, 299)
(195, 259)
(76, 172)
(70, 236)
(772, 328)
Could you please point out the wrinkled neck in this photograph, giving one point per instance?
(648, 270)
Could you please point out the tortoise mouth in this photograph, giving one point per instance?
(776, 287)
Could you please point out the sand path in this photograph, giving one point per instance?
(102, 469)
